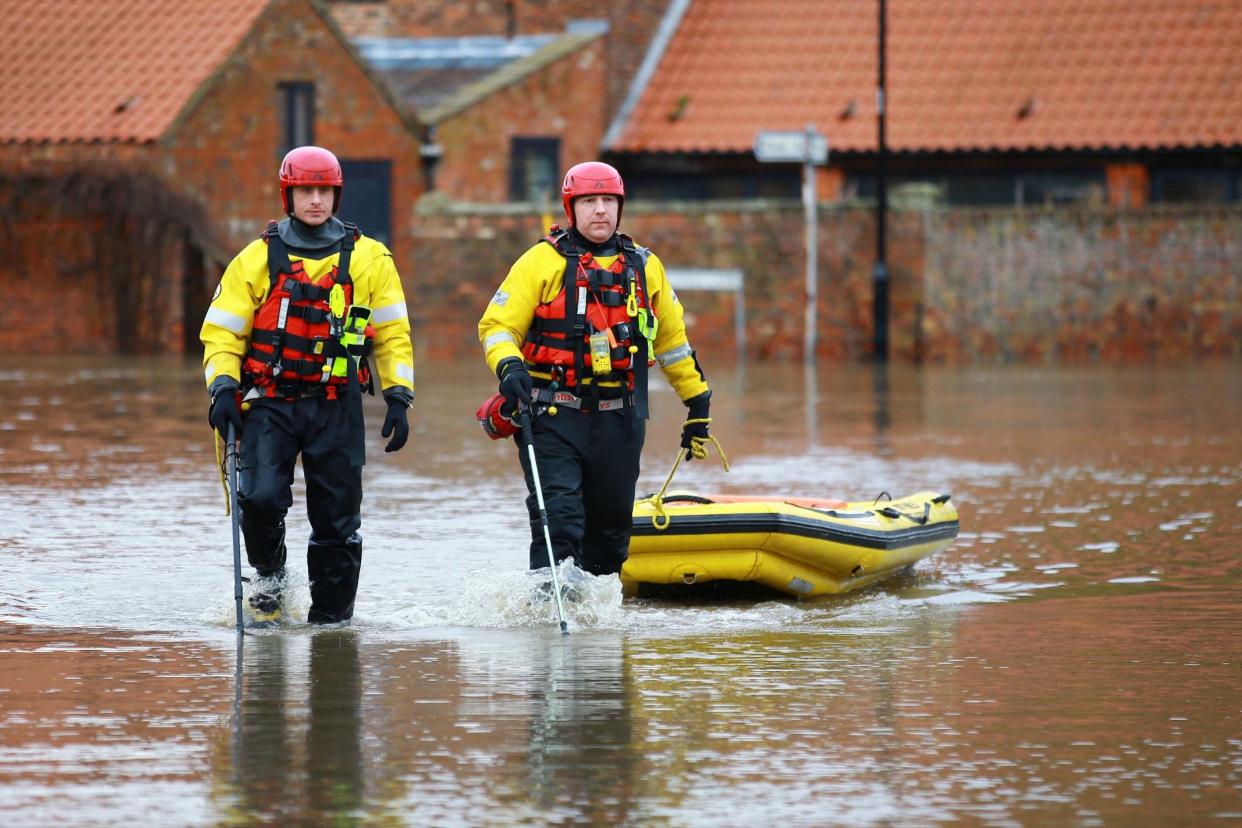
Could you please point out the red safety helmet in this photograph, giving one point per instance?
(591, 178)
(492, 417)
(310, 167)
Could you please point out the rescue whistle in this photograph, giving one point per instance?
(336, 301)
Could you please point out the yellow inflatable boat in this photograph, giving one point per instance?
(801, 547)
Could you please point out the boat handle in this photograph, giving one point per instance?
(890, 512)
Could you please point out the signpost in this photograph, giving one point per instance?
(809, 148)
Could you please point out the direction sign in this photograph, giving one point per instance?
(791, 146)
(808, 148)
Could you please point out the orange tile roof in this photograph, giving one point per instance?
(962, 75)
(110, 70)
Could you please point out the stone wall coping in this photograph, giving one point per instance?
(436, 204)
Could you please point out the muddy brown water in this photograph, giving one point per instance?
(1074, 658)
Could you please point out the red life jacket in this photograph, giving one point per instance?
(292, 337)
(593, 299)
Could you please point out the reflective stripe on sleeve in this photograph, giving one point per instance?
(210, 373)
(498, 338)
(389, 313)
(405, 372)
(679, 353)
(224, 319)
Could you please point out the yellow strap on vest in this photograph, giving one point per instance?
(224, 477)
(698, 449)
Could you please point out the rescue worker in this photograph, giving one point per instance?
(286, 343)
(571, 332)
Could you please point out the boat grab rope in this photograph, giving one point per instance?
(698, 449)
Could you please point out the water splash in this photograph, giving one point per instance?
(509, 598)
(295, 606)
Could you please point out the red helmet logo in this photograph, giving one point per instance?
(595, 177)
(307, 166)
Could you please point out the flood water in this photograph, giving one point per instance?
(1074, 658)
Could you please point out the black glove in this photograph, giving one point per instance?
(395, 422)
(699, 409)
(515, 382)
(223, 410)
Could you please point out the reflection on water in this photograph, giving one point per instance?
(1071, 659)
(296, 755)
(581, 737)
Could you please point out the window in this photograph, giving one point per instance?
(1056, 189)
(297, 104)
(368, 198)
(534, 169)
(1191, 184)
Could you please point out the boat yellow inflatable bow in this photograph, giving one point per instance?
(801, 547)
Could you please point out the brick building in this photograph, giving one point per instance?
(143, 137)
(139, 141)
(509, 92)
(1101, 137)
(989, 102)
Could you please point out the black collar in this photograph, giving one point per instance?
(318, 242)
(608, 247)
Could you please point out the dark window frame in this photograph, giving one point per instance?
(297, 107)
(1166, 181)
(523, 149)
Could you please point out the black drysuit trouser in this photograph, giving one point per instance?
(588, 465)
(329, 439)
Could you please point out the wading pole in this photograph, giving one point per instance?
(230, 454)
(524, 417)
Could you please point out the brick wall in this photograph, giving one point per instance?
(563, 99)
(1078, 285)
(460, 18)
(465, 252)
(421, 18)
(967, 285)
(85, 262)
(54, 258)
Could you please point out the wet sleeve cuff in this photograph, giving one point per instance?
(397, 394)
(221, 383)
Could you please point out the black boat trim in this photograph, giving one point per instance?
(768, 522)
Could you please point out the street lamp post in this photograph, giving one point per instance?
(880, 282)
